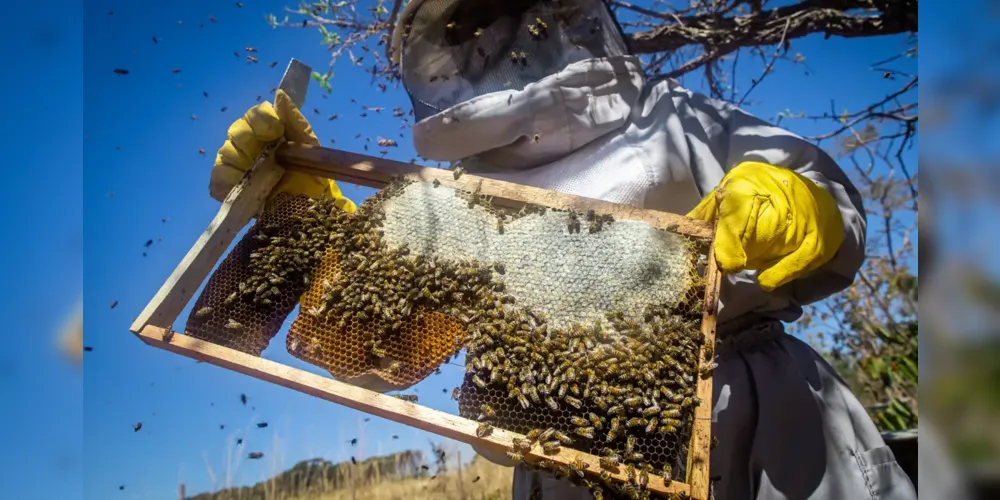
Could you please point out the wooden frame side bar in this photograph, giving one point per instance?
(377, 172)
(241, 205)
(397, 410)
(700, 446)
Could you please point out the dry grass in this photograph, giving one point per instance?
(477, 480)
(493, 484)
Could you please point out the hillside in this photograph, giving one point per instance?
(398, 476)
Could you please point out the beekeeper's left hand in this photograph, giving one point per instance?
(773, 220)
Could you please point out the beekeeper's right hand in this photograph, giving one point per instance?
(248, 134)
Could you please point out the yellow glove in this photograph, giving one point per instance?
(772, 220)
(247, 135)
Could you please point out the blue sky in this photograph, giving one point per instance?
(141, 166)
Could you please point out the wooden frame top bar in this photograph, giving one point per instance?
(377, 172)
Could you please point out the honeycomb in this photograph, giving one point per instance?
(579, 330)
(223, 314)
(575, 325)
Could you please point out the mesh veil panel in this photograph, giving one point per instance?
(454, 50)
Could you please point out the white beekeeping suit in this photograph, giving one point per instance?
(545, 93)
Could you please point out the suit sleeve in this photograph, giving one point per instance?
(734, 136)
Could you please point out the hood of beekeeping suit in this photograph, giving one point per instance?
(516, 84)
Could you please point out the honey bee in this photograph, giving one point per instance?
(562, 438)
(635, 422)
(579, 422)
(575, 403)
(632, 402)
(395, 366)
(671, 413)
(204, 311)
(456, 393)
(499, 226)
(630, 443)
(587, 432)
(616, 410)
(515, 456)
(667, 475)
(643, 479)
(551, 447)
(579, 466)
(534, 434)
(523, 400)
(488, 410)
(596, 421)
(234, 325)
(610, 461)
(651, 428)
(650, 411)
(546, 434)
(599, 401)
(410, 398)
(707, 369)
(458, 172)
(518, 444)
(628, 489)
(232, 298)
(436, 183)
(478, 381)
(634, 456)
(484, 429)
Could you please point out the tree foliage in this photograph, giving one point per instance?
(869, 331)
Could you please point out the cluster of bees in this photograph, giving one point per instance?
(622, 388)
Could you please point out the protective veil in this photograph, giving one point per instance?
(545, 94)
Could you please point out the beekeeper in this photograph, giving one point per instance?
(545, 93)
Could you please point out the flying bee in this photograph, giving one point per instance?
(484, 429)
(587, 432)
(232, 324)
(551, 447)
(488, 410)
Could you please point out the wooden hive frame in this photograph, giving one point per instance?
(154, 325)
